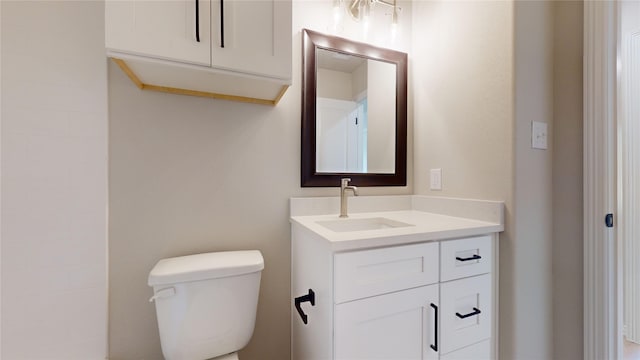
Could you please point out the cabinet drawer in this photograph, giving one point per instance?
(466, 257)
(479, 351)
(466, 311)
(367, 273)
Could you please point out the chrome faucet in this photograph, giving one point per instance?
(344, 186)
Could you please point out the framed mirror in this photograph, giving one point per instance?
(354, 113)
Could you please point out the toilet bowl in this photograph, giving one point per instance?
(206, 303)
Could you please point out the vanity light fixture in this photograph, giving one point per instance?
(394, 20)
(337, 13)
(362, 10)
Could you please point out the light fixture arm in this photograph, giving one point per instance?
(356, 8)
(385, 2)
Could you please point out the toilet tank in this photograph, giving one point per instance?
(206, 303)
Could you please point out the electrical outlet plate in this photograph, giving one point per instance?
(539, 135)
(436, 179)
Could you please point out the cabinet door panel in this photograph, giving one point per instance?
(466, 297)
(252, 36)
(396, 326)
(164, 29)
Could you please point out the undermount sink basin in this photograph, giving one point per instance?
(346, 225)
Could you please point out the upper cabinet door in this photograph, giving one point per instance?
(163, 29)
(252, 36)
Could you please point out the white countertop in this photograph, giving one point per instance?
(426, 226)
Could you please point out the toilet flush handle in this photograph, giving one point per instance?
(163, 293)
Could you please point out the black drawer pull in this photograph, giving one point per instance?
(198, 20)
(434, 346)
(222, 26)
(474, 257)
(475, 311)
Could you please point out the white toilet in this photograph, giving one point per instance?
(206, 303)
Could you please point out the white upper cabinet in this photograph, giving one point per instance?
(230, 49)
(160, 29)
(252, 36)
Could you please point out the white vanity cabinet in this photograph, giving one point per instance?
(385, 302)
(232, 49)
(424, 300)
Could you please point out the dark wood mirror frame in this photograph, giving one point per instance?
(312, 40)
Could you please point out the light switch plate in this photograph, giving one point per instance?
(539, 135)
(436, 179)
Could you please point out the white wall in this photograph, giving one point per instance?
(54, 180)
(0, 178)
(192, 175)
(628, 123)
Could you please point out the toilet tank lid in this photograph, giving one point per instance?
(205, 266)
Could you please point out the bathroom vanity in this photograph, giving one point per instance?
(403, 277)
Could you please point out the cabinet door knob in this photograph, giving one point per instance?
(475, 311)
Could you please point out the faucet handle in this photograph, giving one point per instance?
(344, 182)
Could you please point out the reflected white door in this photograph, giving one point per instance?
(356, 140)
(340, 136)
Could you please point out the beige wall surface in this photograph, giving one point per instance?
(487, 71)
(526, 297)
(360, 81)
(334, 84)
(463, 118)
(567, 182)
(54, 180)
(190, 175)
(380, 117)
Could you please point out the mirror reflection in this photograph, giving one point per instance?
(355, 114)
